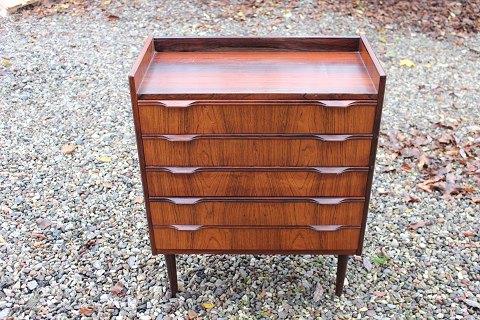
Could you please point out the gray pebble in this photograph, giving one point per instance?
(32, 285)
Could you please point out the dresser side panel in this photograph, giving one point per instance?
(373, 153)
(141, 158)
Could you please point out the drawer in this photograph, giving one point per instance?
(251, 150)
(255, 239)
(256, 182)
(307, 117)
(257, 211)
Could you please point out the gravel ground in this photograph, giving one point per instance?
(73, 232)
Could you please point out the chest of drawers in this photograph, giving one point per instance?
(257, 145)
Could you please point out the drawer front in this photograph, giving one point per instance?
(259, 182)
(262, 212)
(256, 239)
(187, 117)
(344, 151)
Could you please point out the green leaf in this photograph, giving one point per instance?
(381, 260)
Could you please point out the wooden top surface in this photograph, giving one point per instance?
(259, 74)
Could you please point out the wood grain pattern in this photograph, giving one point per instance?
(139, 68)
(262, 212)
(372, 64)
(260, 182)
(135, 77)
(258, 44)
(277, 151)
(260, 117)
(242, 142)
(224, 74)
(257, 239)
(373, 152)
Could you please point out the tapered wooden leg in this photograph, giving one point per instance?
(341, 271)
(172, 273)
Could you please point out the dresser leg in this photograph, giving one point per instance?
(341, 271)
(172, 273)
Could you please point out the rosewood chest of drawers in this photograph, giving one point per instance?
(257, 145)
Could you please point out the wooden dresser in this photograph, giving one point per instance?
(257, 145)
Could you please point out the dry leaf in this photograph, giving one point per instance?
(43, 223)
(287, 14)
(428, 184)
(318, 294)
(446, 124)
(192, 314)
(410, 152)
(6, 210)
(262, 294)
(208, 305)
(474, 128)
(40, 236)
(104, 159)
(2, 240)
(382, 191)
(45, 118)
(117, 290)
(423, 161)
(68, 149)
(37, 244)
(412, 198)
(407, 63)
(406, 167)
(439, 300)
(112, 17)
(471, 303)
(367, 263)
(108, 185)
(138, 199)
(422, 141)
(86, 311)
(6, 63)
(90, 243)
(469, 189)
(379, 293)
(469, 233)
(416, 225)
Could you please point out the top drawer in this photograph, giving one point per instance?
(257, 117)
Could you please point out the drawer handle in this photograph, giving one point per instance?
(332, 170)
(184, 201)
(322, 170)
(181, 170)
(327, 228)
(192, 103)
(344, 103)
(168, 103)
(321, 137)
(321, 228)
(187, 227)
(338, 137)
(319, 201)
(329, 201)
(180, 137)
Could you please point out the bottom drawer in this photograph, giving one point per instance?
(184, 239)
